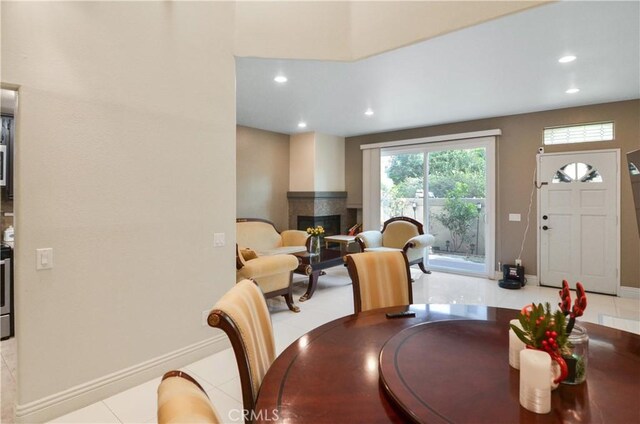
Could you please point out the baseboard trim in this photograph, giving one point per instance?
(630, 292)
(50, 407)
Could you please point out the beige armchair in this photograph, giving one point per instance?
(273, 274)
(262, 236)
(399, 233)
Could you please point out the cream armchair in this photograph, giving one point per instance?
(273, 274)
(399, 233)
(262, 236)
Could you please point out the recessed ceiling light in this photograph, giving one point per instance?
(368, 112)
(280, 79)
(572, 90)
(567, 59)
(302, 124)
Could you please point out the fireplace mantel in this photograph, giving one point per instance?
(316, 194)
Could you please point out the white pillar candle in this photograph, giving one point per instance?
(515, 345)
(535, 385)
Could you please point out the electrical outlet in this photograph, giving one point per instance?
(518, 262)
(204, 318)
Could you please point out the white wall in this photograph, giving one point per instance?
(329, 163)
(126, 129)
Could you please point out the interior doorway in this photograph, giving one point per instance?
(578, 219)
(8, 343)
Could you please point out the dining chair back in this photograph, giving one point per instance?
(380, 279)
(243, 315)
(182, 400)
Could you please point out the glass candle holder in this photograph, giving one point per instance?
(314, 248)
(578, 360)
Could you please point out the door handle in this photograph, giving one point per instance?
(544, 227)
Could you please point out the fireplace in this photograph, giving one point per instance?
(330, 223)
(312, 208)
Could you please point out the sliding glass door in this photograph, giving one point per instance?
(402, 185)
(446, 187)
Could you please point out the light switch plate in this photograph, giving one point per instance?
(44, 258)
(218, 239)
(514, 217)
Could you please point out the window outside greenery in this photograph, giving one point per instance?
(457, 176)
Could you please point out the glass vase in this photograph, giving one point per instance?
(314, 245)
(578, 359)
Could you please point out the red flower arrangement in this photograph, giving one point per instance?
(579, 305)
(549, 332)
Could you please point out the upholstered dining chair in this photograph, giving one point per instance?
(399, 233)
(182, 400)
(380, 280)
(243, 315)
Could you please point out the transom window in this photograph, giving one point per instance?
(577, 172)
(569, 134)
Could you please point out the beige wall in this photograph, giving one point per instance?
(413, 21)
(126, 168)
(316, 162)
(352, 30)
(329, 163)
(262, 175)
(300, 30)
(517, 148)
(302, 153)
(107, 165)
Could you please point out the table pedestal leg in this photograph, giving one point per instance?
(311, 288)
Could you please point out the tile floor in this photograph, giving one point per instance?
(333, 299)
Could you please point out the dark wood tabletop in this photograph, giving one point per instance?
(331, 374)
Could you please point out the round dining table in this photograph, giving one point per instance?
(448, 363)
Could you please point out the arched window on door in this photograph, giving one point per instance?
(577, 172)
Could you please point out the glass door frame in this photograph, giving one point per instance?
(489, 144)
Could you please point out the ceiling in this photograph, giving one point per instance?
(502, 67)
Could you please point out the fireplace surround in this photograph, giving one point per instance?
(330, 223)
(311, 208)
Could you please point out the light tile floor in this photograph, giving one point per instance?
(334, 298)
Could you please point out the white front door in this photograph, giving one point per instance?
(578, 219)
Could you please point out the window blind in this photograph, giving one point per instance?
(602, 131)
